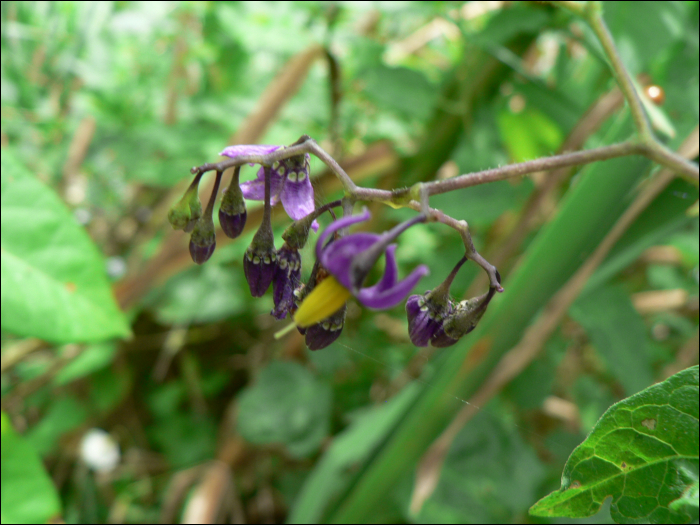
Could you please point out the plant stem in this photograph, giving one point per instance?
(595, 20)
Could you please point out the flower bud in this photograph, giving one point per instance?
(286, 279)
(232, 213)
(202, 240)
(260, 261)
(185, 213)
(462, 320)
(321, 335)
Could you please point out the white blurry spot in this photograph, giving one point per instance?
(76, 190)
(660, 331)
(82, 215)
(99, 451)
(116, 267)
(517, 103)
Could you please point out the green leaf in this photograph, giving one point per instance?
(91, 359)
(618, 333)
(528, 134)
(400, 89)
(54, 284)
(643, 453)
(334, 471)
(287, 404)
(63, 415)
(490, 475)
(28, 494)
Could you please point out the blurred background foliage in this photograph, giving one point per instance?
(106, 106)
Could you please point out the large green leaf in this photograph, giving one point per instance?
(618, 333)
(643, 453)
(287, 404)
(54, 284)
(28, 495)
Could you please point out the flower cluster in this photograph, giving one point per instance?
(343, 260)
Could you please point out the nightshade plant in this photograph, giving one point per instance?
(343, 260)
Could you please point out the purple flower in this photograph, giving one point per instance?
(425, 317)
(349, 261)
(289, 182)
(427, 312)
(463, 319)
(350, 258)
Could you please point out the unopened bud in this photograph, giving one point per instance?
(185, 213)
(202, 240)
(232, 213)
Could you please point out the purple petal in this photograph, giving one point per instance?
(393, 296)
(254, 190)
(286, 279)
(422, 326)
(247, 149)
(390, 273)
(441, 339)
(337, 257)
(338, 225)
(298, 198)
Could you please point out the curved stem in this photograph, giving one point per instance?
(595, 20)
(210, 205)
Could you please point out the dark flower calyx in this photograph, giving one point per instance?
(202, 240)
(321, 335)
(286, 278)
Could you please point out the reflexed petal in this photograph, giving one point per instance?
(390, 272)
(337, 256)
(247, 149)
(338, 225)
(393, 296)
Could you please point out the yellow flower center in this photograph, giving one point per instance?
(323, 301)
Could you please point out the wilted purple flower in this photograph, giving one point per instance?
(349, 261)
(427, 312)
(464, 318)
(425, 317)
(289, 182)
(286, 279)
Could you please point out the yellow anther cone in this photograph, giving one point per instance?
(324, 300)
